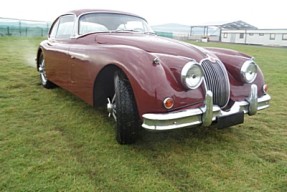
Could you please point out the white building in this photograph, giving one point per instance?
(269, 37)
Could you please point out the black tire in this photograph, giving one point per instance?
(127, 120)
(43, 77)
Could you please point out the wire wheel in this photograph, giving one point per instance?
(123, 108)
(43, 76)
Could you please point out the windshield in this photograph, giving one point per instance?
(111, 22)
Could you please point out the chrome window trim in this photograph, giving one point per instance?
(76, 33)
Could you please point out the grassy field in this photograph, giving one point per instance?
(52, 141)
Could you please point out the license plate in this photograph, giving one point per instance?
(230, 120)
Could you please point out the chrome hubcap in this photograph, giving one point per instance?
(111, 107)
(43, 72)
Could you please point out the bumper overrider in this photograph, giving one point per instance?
(208, 114)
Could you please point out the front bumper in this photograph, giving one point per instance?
(205, 115)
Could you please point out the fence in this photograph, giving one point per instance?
(16, 27)
(175, 35)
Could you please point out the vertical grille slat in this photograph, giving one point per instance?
(217, 81)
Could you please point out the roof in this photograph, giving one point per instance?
(238, 25)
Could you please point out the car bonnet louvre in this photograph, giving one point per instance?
(216, 79)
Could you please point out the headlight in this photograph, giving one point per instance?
(248, 71)
(191, 75)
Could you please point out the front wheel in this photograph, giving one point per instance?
(43, 76)
(123, 108)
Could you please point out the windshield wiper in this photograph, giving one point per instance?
(126, 31)
(149, 33)
(93, 32)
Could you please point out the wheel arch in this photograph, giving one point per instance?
(104, 85)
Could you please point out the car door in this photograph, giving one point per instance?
(81, 69)
(57, 56)
(83, 65)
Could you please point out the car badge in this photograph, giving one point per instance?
(212, 59)
(156, 61)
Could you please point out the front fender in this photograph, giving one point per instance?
(151, 82)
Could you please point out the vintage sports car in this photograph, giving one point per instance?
(114, 59)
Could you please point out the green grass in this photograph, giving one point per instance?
(52, 141)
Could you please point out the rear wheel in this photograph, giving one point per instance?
(122, 107)
(43, 76)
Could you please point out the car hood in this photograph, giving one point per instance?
(154, 44)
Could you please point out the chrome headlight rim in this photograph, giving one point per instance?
(249, 71)
(192, 65)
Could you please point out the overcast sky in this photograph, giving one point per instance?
(262, 14)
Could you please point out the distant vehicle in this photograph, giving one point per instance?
(113, 59)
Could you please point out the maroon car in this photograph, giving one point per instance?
(114, 59)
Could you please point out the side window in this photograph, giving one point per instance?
(54, 29)
(65, 27)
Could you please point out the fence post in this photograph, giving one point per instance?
(20, 27)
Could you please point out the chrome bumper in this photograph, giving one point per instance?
(205, 115)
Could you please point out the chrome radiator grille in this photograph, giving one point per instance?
(217, 81)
